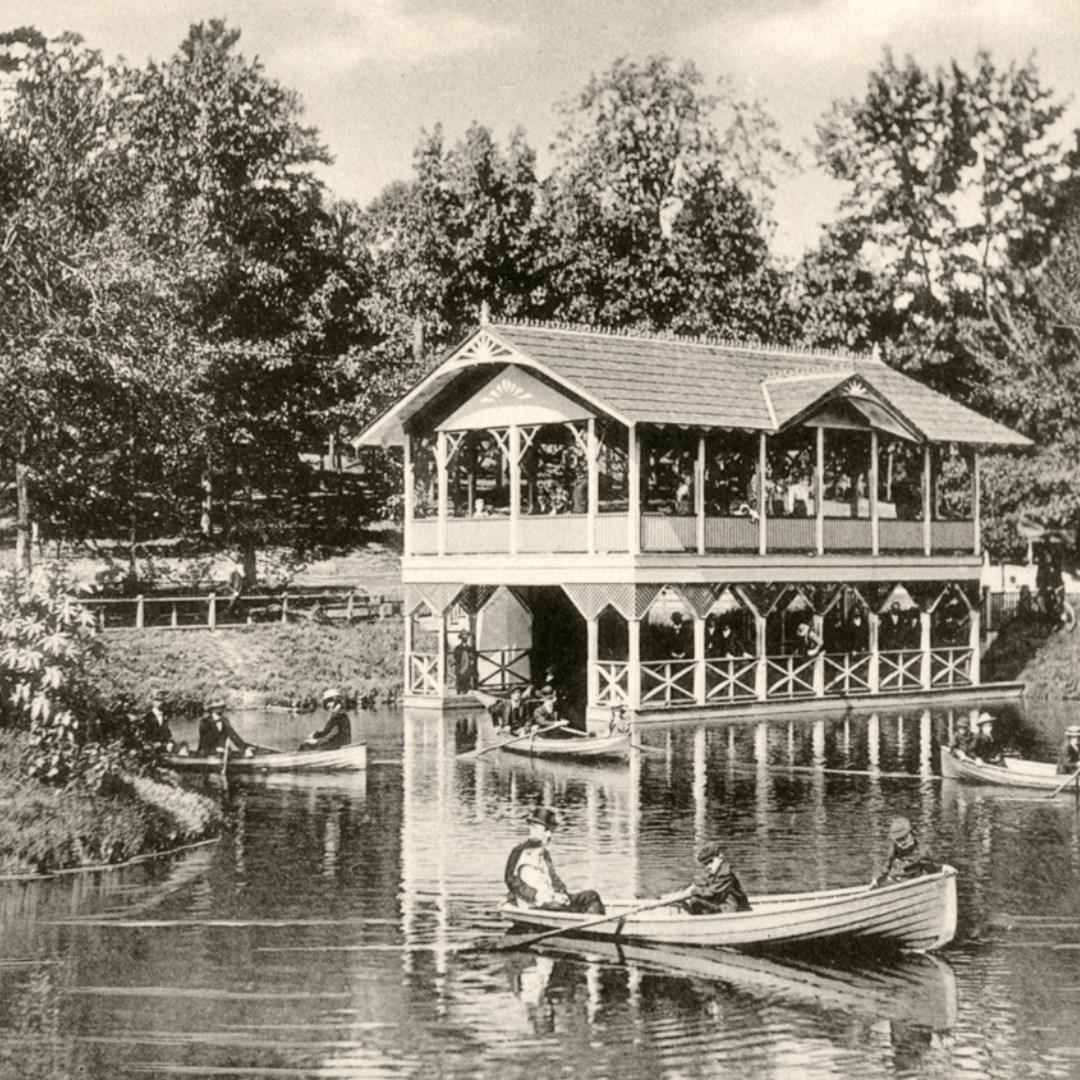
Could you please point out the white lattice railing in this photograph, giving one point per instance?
(477, 536)
(847, 673)
(665, 532)
(731, 679)
(901, 536)
(847, 534)
(791, 534)
(424, 674)
(668, 682)
(950, 667)
(790, 676)
(423, 537)
(731, 534)
(900, 670)
(501, 669)
(614, 683)
(553, 532)
(612, 532)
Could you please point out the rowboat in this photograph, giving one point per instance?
(918, 914)
(1014, 772)
(584, 748)
(346, 758)
(911, 987)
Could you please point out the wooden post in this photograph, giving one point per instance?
(175, 622)
(975, 672)
(408, 649)
(633, 667)
(593, 454)
(349, 605)
(699, 659)
(443, 466)
(285, 608)
(763, 490)
(634, 481)
(211, 615)
(928, 500)
(976, 503)
(409, 496)
(925, 646)
(761, 682)
(514, 451)
(440, 663)
(819, 659)
(139, 613)
(819, 491)
(875, 525)
(873, 674)
(592, 664)
(699, 494)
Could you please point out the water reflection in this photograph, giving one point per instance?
(329, 931)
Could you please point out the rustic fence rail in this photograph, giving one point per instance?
(216, 610)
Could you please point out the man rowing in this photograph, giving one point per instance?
(216, 733)
(530, 872)
(720, 892)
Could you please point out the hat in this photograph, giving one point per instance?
(548, 691)
(1072, 731)
(899, 828)
(157, 695)
(331, 694)
(712, 850)
(545, 816)
(217, 703)
(985, 718)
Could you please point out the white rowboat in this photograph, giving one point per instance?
(346, 758)
(919, 914)
(1015, 772)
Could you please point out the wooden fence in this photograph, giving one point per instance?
(211, 611)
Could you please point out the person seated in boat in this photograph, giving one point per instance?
(1069, 756)
(337, 731)
(155, 725)
(965, 736)
(509, 714)
(985, 748)
(215, 733)
(530, 872)
(546, 715)
(720, 892)
(906, 858)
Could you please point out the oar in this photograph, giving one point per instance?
(529, 939)
(834, 772)
(507, 742)
(1062, 787)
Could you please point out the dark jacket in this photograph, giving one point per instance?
(338, 732)
(1068, 758)
(157, 731)
(720, 892)
(212, 741)
(906, 860)
(986, 748)
(518, 890)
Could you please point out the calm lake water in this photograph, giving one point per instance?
(328, 933)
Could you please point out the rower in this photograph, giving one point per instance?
(216, 733)
(1069, 755)
(906, 857)
(530, 872)
(720, 892)
(985, 749)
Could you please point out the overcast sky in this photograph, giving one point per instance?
(374, 73)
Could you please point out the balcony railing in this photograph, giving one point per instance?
(568, 533)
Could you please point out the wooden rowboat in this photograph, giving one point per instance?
(346, 758)
(918, 914)
(585, 748)
(1015, 772)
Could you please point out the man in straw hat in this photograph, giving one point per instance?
(337, 731)
(906, 857)
(720, 892)
(985, 748)
(215, 732)
(530, 872)
(1069, 755)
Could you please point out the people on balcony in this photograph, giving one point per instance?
(723, 640)
(807, 640)
(899, 630)
(682, 638)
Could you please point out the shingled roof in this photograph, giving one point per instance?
(667, 380)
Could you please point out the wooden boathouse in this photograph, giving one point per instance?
(674, 526)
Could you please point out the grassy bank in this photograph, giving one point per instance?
(44, 829)
(1035, 653)
(257, 665)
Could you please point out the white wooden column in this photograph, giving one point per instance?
(975, 673)
(819, 660)
(699, 494)
(592, 665)
(699, 659)
(443, 465)
(763, 513)
(873, 673)
(592, 446)
(440, 663)
(875, 525)
(925, 647)
(514, 452)
(409, 495)
(928, 499)
(976, 502)
(761, 680)
(633, 666)
(819, 491)
(633, 448)
(407, 627)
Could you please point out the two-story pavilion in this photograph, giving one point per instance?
(664, 524)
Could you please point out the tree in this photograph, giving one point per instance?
(652, 210)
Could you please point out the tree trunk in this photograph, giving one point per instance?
(23, 537)
(206, 523)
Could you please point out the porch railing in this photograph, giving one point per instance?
(731, 679)
(847, 673)
(790, 676)
(614, 683)
(424, 674)
(668, 682)
(950, 667)
(900, 669)
(501, 669)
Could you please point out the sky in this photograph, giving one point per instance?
(375, 74)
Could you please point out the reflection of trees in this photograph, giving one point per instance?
(35, 1046)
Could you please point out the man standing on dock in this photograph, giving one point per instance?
(530, 872)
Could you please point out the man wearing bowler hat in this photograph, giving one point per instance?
(530, 873)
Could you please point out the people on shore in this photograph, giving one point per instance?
(985, 748)
(1069, 756)
(337, 731)
(720, 891)
(531, 877)
(216, 733)
(906, 857)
